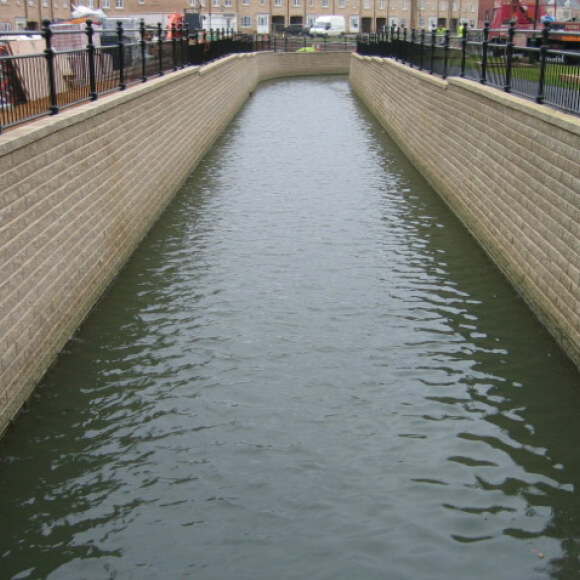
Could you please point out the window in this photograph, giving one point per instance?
(277, 2)
(325, 3)
(119, 3)
(342, 3)
(228, 3)
(454, 7)
(216, 3)
(367, 4)
(245, 21)
(404, 4)
(443, 6)
(262, 21)
(141, 1)
(382, 4)
(6, 27)
(472, 8)
(296, 3)
(245, 2)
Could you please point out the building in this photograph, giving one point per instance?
(262, 16)
(18, 15)
(268, 16)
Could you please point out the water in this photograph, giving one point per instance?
(308, 370)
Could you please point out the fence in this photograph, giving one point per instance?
(517, 62)
(66, 64)
(281, 43)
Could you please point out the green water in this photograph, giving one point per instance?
(308, 370)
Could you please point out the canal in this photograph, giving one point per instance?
(309, 370)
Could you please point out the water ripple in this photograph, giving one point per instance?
(307, 370)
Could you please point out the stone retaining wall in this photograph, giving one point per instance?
(79, 190)
(509, 169)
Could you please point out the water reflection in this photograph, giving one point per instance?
(518, 381)
(310, 371)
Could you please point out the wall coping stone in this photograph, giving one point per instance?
(28, 133)
(515, 102)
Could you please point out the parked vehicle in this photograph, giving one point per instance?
(565, 35)
(532, 15)
(328, 26)
(294, 30)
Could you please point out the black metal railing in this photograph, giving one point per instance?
(282, 43)
(518, 62)
(66, 64)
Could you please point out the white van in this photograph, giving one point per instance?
(328, 26)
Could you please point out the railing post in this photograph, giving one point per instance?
(49, 54)
(121, 48)
(411, 48)
(421, 48)
(405, 48)
(543, 56)
(91, 60)
(195, 37)
(174, 46)
(160, 48)
(433, 46)
(509, 56)
(143, 46)
(484, 49)
(463, 49)
(180, 51)
(445, 53)
(185, 47)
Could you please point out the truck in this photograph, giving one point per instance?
(530, 17)
(328, 26)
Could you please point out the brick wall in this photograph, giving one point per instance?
(510, 170)
(79, 190)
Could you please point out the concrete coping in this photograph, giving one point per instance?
(23, 135)
(538, 111)
(542, 112)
